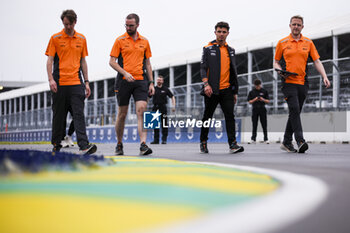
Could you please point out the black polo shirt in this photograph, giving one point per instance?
(160, 95)
(255, 93)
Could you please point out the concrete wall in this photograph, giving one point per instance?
(317, 127)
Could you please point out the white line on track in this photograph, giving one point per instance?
(297, 197)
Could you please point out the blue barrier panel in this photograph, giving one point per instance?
(106, 134)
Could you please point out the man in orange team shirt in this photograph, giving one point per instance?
(133, 53)
(66, 68)
(219, 75)
(294, 51)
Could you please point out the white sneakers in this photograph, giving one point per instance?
(67, 142)
(254, 142)
(251, 142)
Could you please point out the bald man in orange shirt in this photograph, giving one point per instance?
(294, 50)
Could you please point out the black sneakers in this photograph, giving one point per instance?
(157, 142)
(119, 149)
(302, 147)
(204, 147)
(90, 149)
(288, 146)
(56, 148)
(235, 148)
(144, 149)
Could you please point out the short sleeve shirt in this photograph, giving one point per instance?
(295, 53)
(67, 52)
(132, 54)
(160, 95)
(258, 93)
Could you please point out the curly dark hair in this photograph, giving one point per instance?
(70, 15)
(222, 25)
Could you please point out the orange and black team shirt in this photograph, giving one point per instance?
(67, 52)
(295, 54)
(131, 54)
(225, 68)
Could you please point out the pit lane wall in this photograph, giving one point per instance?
(331, 127)
(106, 134)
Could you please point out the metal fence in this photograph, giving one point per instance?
(103, 111)
(319, 98)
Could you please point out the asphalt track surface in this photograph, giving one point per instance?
(327, 162)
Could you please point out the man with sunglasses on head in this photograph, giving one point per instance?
(133, 52)
(292, 53)
(219, 75)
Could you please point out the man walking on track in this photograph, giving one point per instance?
(66, 66)
(292, 53)
(219, 75)
(133, 53)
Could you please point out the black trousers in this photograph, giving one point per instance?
(163, 118)
(295, 96)
(66, 96)
(259, 112)
(71, 126)
(226, 101)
